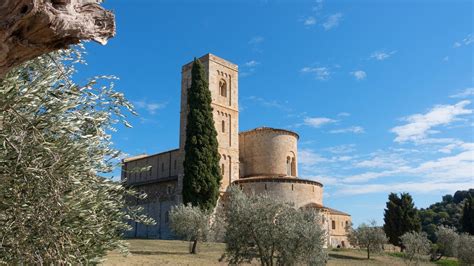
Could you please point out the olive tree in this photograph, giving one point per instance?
(190, 223)
(466, 249)
(368, 236)
(274, 232)
(417, 245)
(446, 244)
(54, 144)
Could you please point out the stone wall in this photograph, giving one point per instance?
(268, 152)
(298, 191)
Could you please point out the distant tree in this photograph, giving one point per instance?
(190, 223)
(447, 213)
(467, 218)
(400, 217)
(260, 227)
(417, 246)
(370, 237)
(466, 249)
(55, 209)
(201, 163)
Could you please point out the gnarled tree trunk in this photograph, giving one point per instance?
(29, 28)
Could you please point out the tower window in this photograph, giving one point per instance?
(175, 164)
(334, 225)
(222, 169)
(162, 167)
(288, 166)
(223, 88)
(223, 126)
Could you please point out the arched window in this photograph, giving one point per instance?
(223, 88)
(222, 169)
(223, 126)
(293, 166)
(288, 166)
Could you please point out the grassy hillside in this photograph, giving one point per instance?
(168, 252)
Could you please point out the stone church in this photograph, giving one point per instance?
(262, 160)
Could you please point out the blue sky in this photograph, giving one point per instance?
(380, 92)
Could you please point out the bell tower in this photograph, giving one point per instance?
(222, 76)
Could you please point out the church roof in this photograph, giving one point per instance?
(269, 129)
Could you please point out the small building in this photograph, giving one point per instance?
(262, 160)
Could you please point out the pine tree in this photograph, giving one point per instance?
(467, 218)
(201, 163)
(400, 217)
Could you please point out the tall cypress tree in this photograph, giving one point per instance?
(467, 218)
(400, 217)
(201, 162)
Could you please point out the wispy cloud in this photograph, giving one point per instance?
(466, 41)
(251, 63)
(464, 94)
(150, 107)
(341, 149)
(321, 73)
(343, 114)
(381, 55)
(317, 122)
(256, 40)
(332, 21)
(420, 125)
(309, 21)
(353, 129)
(269, 103)
(359, 74)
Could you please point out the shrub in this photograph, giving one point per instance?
(466, 249)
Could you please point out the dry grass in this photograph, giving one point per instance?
(169, 252)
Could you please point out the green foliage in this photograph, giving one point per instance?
(201, 164)
(260, 227)
(54, 143)
(370, 237)
(447, 262)
(467, 218)
(446, 213)
(417, 246)
(190, 223)
(400, 217)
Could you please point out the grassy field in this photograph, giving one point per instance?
(167, 252)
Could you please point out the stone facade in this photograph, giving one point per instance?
(263, 160)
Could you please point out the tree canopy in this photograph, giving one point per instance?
(400, 217)
(54, 144)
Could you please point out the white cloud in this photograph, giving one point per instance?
(446, 58)
(251, 63)
(359, 74)
(307, 157)
(321, 73)
(353, 129)
(343, 114)
(381, 55)
(420, 125)
(412, 187)
(466, 41)
(332, 21)
(309, 21)
(150, 107)
(318, 121)
(464, 94)
(256, 40)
